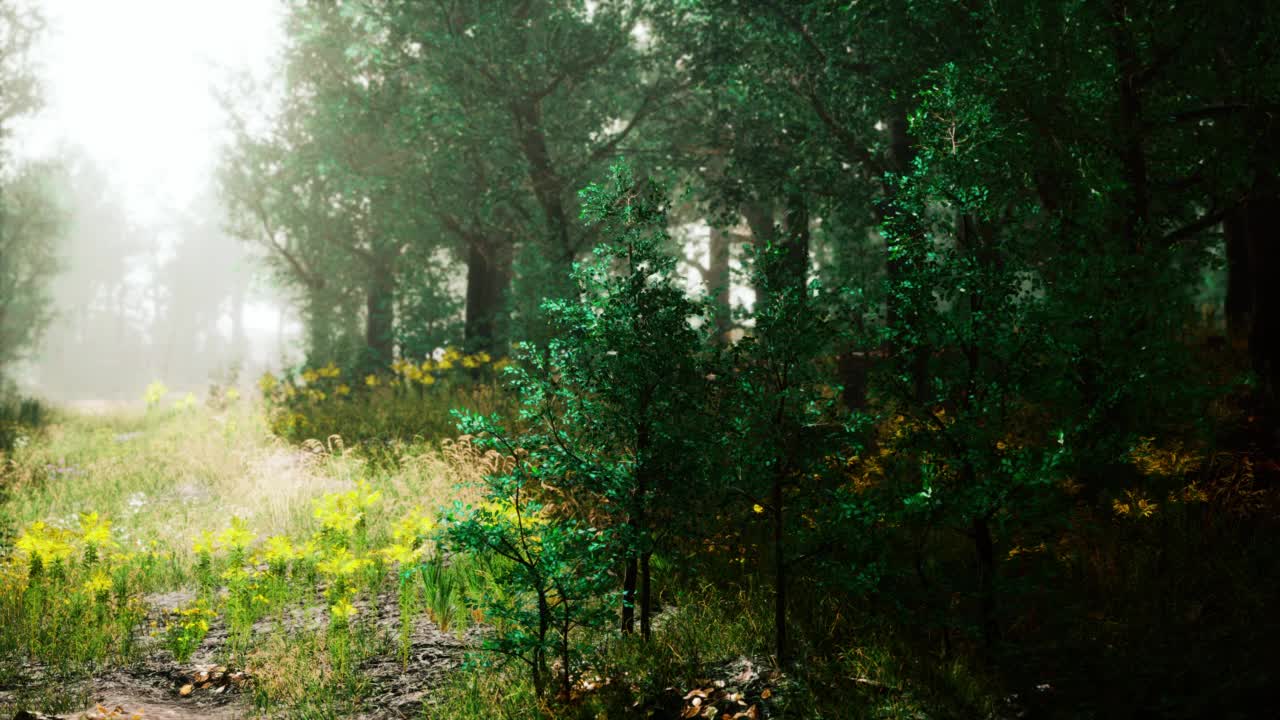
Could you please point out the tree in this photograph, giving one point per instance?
(32, 225)
(31, 220)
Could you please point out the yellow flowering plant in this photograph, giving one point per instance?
(343, 513)
(235, 538)
(44, 546)
(186, 628)
(278, 552)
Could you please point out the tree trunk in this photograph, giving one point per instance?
(1239, 304)
(1264, 260)
(488, 282)
(646, 596)
(548, 187)
(539, 660)
(779, 573)
(1133, 218)
(719, 281)
(629, 575)
(759, 216)
(794, 270)
(380, 315)
(318, 321)
(984, 549)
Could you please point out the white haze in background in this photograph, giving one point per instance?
(129, 83)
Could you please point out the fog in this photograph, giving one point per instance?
(152, 286)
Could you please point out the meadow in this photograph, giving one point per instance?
(183, 536)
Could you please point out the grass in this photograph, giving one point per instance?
(197, 535)
(286, 552)
(280, 555)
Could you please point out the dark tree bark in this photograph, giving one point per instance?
(629, 576)
(319, 323)
(719, 281)
(380, 316)
(779, 570)
(759, 216)
(488, 282)
(794, 269)
(646, 597)
(1238, 306)
(1263, 244)
(548, 187)
(1134, 215)
(985, 555)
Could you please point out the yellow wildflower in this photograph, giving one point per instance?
(237, 535)
(95, 532)
(371, 380)
(267, 383)
(399, 553)
(205, 544)
(98, 584)
(279, 550)
(341, 563)
(412, 528)
(342, 390)
(44, 542)
(342, 512)
(342, 609)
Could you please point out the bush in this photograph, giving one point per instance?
(19, 417)
(409, 401)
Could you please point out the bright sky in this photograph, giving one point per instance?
(129, 80)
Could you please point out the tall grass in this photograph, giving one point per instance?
(207, 506)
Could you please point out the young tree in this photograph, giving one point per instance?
(553, 568)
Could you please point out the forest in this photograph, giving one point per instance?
(662, 359)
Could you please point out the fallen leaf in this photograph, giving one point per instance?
(186, 689)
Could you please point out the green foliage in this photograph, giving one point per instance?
(550, 575)
(19, 418)
(33, 221)
(381, 409)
